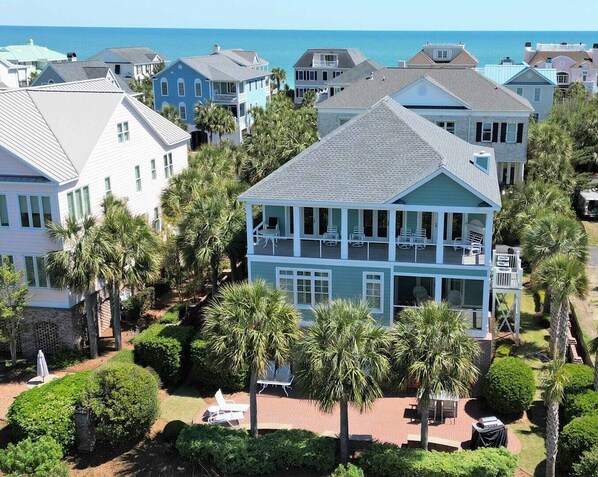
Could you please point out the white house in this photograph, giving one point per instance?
(134, 62)
(58, 160)
(11, 75)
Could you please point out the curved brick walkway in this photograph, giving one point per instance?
(389, 420)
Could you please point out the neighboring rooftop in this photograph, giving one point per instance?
(465, 84)
(445, 54)
(51, 127)
(504, 73)
(29, 53)
(218, 67)
(360, 71)
(548, 51)
(346, 58)
(375, 157)
(248, 58)
(137, 55)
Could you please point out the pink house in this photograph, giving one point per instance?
(572, 61)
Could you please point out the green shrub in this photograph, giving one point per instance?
(123, 399)
(349, 471)
(580, 404)
(165, 349)
(509, 386)
(39, 457)
(580, 435)
(209, 376)
(173, 315)
(503, 351)
(137, 305)
(67, 356)
(122, 356)
(587, 465)
(48, 410)
(580, 378)
(233, 452)
(171, 430)
(388, 460)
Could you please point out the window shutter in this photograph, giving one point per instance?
(519, 133)
(494, 132)
(478, 132)
(296, 75)
(503, 132)
(316, 76)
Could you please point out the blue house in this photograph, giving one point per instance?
(237, 80)
(389, 209)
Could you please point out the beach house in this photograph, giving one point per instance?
(537, 85)
(317, 66)
(11, 75)
(573, 62)
(389, 209)
(443, 54)
(461, 101)
(34, 57)
(58, 160)
(237, 80)
(353, 75)
(131, 62)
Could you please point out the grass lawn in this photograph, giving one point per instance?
(592, 231)
(122, 356)
(182, 405)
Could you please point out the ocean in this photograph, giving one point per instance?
(283, 47)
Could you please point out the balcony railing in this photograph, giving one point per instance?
(225, 97)
(507, 272)
(325, 64)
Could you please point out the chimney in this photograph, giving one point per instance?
(528, 44)
(402, 64)
(548, 62)
(216, 48)
(528, 52)
(71, 56)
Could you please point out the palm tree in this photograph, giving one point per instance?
(79, 263)
(144, 86)
(211, 118)
(134, 258)
(431, 346)
(593, 347)
(564, 276)
(248, 325)
(342, 360)
(554, 381)
(172, 114)
(279, 75)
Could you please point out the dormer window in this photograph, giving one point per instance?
(482, 161)
(442, 54)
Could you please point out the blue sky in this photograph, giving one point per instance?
(305, 14)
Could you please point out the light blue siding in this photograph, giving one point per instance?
(442, 190)
(279, 212)
(460, 272)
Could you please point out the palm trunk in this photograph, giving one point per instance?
(215, 260)
(92, 330)
(596, 371)
(114, 290)
(547, 302)
(554, 328)
(552, 437)
(424, 404)
(537, 302)
(253, 403)
(344, 431)
(562, 331)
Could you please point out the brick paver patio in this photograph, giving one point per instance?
(389, 420)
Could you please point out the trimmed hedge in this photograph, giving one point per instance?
(209, 376)
(174, 315)
(233, 452)
(509, 386)
(587, 465)
(580, 435)
(349, 471)
(165, 349)
(48, 410)
(39, 457)
(581, 378)
(580, 404)
(172, 429)
(388, 460)
(123, 399)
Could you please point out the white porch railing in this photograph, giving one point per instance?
(324, 64)
(225, 97)
(507, 271)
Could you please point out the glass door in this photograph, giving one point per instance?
(309, 219)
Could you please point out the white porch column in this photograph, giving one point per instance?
(486, 306)
(296, 231)
(392, 237)
(488, 239)
(438, 289)
(440, 237)
(249, 222)
(344, 233)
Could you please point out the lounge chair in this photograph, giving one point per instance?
(233, 419)
(229, 405)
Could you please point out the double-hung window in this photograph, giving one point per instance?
(305, 288)
(78, 203)
(537, 95)
(168, 168)
(123, 131)
(182, 111)
(197, 88)
(164, 87)
(520, 91)
(35, 271)
(156, 221)
(6, 259)
(137, 179)
(3, 212)
(181, 86)
(486, 132)
(35, 211)
(373, 284)
(107, 186)
(442, 54)
(511, 136)
(153, 169)
(447, 126)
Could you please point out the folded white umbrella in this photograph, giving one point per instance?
(42, 366)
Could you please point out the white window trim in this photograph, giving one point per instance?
(35, 272)
(107, 185)
(168, 165)
(6, 227)
(514, 133)
(491, 133)
(30, 212)
(195, 83)
(153, 170)
(182, 117)
(138, 185)
(519, 88)
(539, 91)
(313, 278)
(180, 82)
(163, 82)
(364, 289)
(123, 132)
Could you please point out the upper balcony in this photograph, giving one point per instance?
(507, 272)
(320, 63)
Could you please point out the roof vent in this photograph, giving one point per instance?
(482, 161)
(71, 56)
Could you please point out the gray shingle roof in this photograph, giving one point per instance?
(347, 57)
(243, 57)
(472, 87)
(360, 71)
(220, 68)
(373, 158)
(132, 54)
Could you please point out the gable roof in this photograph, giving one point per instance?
(467, 84)
(360, 71)
(243, 57)
(12, 66)
(463, 58)
(347, 57)
(374, 158)
(542, 56)
(131, 54)
(51, 128)
(218, 68)
(503, 74)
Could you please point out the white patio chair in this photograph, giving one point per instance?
(228, 405)
(420, 239)
(331, 236)
(233, 419)
(404, 239)
(357, 238)
(449, 409)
